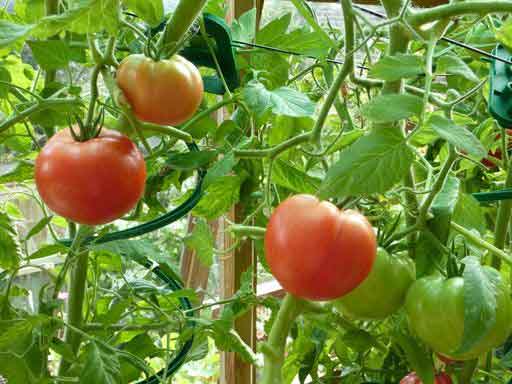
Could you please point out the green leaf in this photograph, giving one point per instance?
(454, 65)
(87, 16)
(504, 34)
(39, 227)
(392, 68)
(11, 32)
(202, 242)
(373, 164)
(244, 28)
(53, 54)
(359, 340)
(306, 13)
(190, 160)
(277, 27)
(469, 213)
(480, 290)
(419, 359)
(388, 108)
(286, 175)
(9, 250)
(48, 250)
(220, 196)
(282, 101)
(151, 11)
(219, 169)
(457, 135)
(227, 339)
(446, 200)
(5, 75)
(101, 366)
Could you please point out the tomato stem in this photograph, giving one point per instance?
(274, 350)
(181, 21)
(503, 219)
(77, 287)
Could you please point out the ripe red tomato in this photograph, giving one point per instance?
(316, 251)
(497, 153)
(413, 378)
(91, 182)
(165, 92)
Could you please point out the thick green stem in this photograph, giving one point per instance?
(477, 240)
(503, 219)
(273, 151)
(275, 347)
(247, 230)
(346, 70)
(176, 29)
(467, 371)
(207, 112)
(52, 8)
(459, 9)
(77, 288)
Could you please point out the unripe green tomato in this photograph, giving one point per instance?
(383, 292)
(435, 309)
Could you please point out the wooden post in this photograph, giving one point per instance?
(233, 369)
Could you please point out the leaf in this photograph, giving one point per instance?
(87, 16)
(306, 13)
(454, 65)
(101, 366)
(359, 340)
(39, 227)
(504, 34)
(202, 242)
(11, 32)
(48, 250)
(480, 290)
(190, 160)
(9, 250)
(457, 135)
(244, 28)
(151, 11)
(419, 359)
(227, 339)
(373, 164)
(446, 200)
(286, 175)
(219, 169)
(392, 68)
(469, 213)
(5, 75)
(53, 54)
(282, 101)
(17, 339)
(388, 108)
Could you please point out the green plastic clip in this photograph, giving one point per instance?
(198, 53)
(500, 98)
(487, 197)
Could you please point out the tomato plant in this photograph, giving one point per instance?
(317, 252)
(92, 182)
(165, 92)
(435, 308)
(383, 291)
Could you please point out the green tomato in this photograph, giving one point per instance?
(383, 292)
(435, 309)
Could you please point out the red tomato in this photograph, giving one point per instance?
(165, 92)
(91, 182)
(316, 251)
(497, 153)
(413, 378)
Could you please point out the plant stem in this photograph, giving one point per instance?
(275, 347)
(166, 130)
(207, 112)
(246, 230)
(477, 240)
(503, 219)
(78, 284)
(467, 371)
(459, 9)
(52, 8)
(176, 29)
(274, 151)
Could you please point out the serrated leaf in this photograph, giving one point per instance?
(282, 101)
(48, 250)
(446, 200)
(504, 34)
(190, 160)
(244, 28)
(469, 213)
(202, 242)
(459, 136)
(286, 175)
(39, 227)
(454, 65)
(85, 17)
(9, 250)
(373, 164)
(101, 366)
(11, 32)
(219, 169)
(388, 108)
(480, 290)
(391, 68)
(52, 54)
(151, 11)
(418, 358)
(359, 340)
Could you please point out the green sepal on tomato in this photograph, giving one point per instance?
(435, 310)
(383, 292)
(164, 92)
(317, 252)
(91, 182)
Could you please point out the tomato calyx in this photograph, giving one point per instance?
(87, 131)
